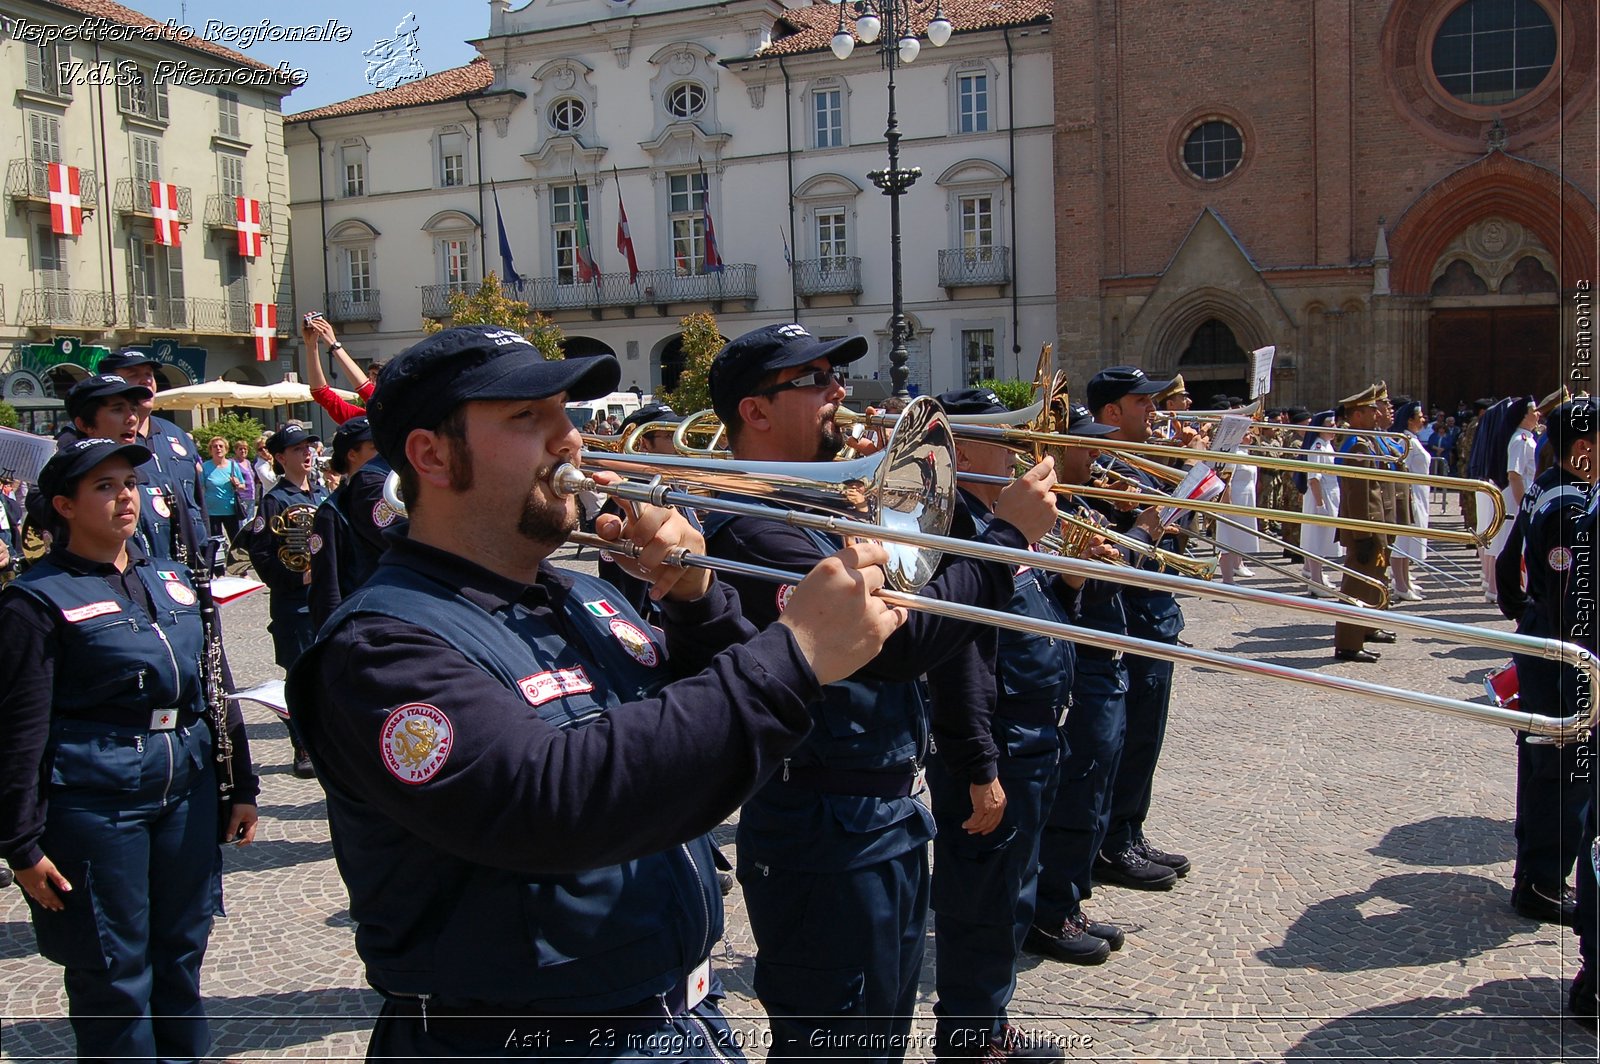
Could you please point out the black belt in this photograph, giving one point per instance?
(138, 720)
(899, 782)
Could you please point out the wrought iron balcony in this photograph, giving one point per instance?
(133, 197)
(218, 317)
(965, 267)
(66, 306)
(221, 213)
(735, 281)
(31, 181)
(436, 297)
(355, 305)
(832, 275)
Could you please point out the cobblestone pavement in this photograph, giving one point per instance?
(1348, 900)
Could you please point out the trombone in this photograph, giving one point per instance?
(1076, 532)
(754, 480)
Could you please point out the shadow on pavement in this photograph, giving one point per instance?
(276, 1021)
(1512, 1019)
(1418, 918)
(260, 856)
(16, 940)
(1449, 841)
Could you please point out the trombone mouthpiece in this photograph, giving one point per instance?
(568, 480)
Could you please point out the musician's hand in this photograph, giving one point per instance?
(837, 621)
(1149, 523)
(5, 556)
(39, 880)
(1103, 552)
(242, 825)
(988, 807)
(1028, 503)
(1189, 437)
(657, 531)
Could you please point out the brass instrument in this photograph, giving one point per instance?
(293, 529)
(569, 480)
(1077, 532)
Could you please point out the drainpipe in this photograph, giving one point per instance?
(106, 211)
(322, 207)
(1011, 147)
(788, 152)
(483, 239)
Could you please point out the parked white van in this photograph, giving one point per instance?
(617, 404)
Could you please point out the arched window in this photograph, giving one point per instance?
(1212, 344)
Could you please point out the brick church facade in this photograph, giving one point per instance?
(1394, 189)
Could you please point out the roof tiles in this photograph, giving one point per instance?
(816, 25)
(452, 84)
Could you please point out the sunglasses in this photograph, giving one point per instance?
(822, 378)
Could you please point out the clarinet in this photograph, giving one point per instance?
(215, 694)
(180, 547)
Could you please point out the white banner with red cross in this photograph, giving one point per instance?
(66, 202)
(247, 220)
(265, 322)
(164, 209)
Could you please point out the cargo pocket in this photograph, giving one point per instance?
(95, 757)
(75, 937)
(809, 993)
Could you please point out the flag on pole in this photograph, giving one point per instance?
(164, 211)
(66, 202)
(713, 259)
(247, 220)
(265, 326)
(508, 269)
(587, 270)
(624, 237)
(788, 256)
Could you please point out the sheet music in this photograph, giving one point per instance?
(23, 455)
(1229, 434)
(1201, 483)
(1261, 382)
(229, 589)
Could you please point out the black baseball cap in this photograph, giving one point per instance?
(356, 431)
(740, 366)
(650, 412)
(1112, 384)
(1080, 422)
(292, 436)
(125, 358)
(102, 386)
(425, 382)
(971, 401)
(1572, 420)
(61, 474)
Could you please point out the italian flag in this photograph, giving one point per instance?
(601, 608)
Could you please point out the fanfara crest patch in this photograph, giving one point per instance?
(635, 642)
(158, 502)
(258, 524)
(415, 742)
(785, 592)
(541, 687)
(383, 515)
(314, 542)
(178, 449)
(176, 588)
(1559, 559)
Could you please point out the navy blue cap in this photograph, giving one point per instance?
(61, 474)
(1112, 384)
(1572, 420)
(739, 367)
(125, 358)
(648, 413)
(1080, 422)
(102, 386)
(285, 438)
(971, 401)
(424, 383)
(357, 430)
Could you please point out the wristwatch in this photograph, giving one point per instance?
(336, 346)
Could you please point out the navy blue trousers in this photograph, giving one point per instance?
(1589, 891)
(1077, 820)
(1149, 694)
(984, 886)
(838, 955)
(132, 824)
(289, 624)
(1553, 790)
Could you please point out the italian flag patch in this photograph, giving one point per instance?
(601, 608)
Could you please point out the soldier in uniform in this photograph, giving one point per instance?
(1361, 498)
(521, 772)
(279, 541)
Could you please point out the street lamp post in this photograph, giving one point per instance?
(888, 23)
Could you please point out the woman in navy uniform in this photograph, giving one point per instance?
(108, 791)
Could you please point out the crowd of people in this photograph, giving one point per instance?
(593, 730)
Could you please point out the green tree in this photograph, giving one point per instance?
(8, 416)
(490, 305)
(1015, 394)
(701, 342)
(232, 428)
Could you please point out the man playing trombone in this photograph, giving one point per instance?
(520, 772)
(832, 852)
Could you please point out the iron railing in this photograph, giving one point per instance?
(66, 306)
(220, 317)
(833, 275)
(986, 265)
(221, 213)
(735, 281)
(354, 305)
(31, 181)
(133, 197)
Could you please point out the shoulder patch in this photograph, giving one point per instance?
(91, 611)
(601, 608)
(542, 687)
(785, 592)
(177, 448)
(180, 592)
(415, 742)
(158, 502)
(258, 524)
(635, 642)
(383, 515)
(1559, 559)
(314, 543)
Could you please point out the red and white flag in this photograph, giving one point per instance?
(247, 220)
(164, 209)
(265, 320)
(66, 204)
